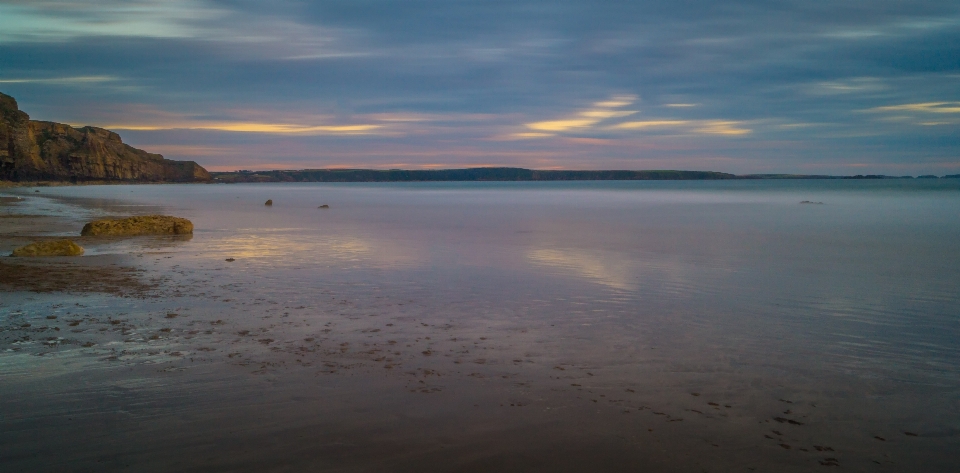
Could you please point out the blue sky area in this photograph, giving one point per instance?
(837, 86)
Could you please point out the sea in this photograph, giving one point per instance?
(748, 325)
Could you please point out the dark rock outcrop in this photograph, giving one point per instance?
(47, 151)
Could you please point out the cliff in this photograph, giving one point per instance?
(47, 151)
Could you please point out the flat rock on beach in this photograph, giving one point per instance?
(49, 248)
(141, 225)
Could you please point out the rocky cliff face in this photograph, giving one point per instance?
(34, 151)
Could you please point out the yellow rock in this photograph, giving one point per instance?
(49, 248)
(143, 225)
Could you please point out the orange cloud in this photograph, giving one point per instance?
(271, 128)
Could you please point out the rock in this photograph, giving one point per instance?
(50, 248)
(324, 206)
(34, 151)
(230, 260)
(269, 202)
(143, 225)
(811, 202)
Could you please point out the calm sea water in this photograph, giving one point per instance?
(841, 315)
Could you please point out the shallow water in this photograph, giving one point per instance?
(523, 326)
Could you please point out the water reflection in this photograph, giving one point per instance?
(294, 247)
(612, 271)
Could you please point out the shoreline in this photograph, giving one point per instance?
(21, 184)
(111, 274)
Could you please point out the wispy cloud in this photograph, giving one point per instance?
(601, 118)
(639, 125)
(857, 85)
(234, 31)
(269, 128)
(926, 107)
(722, 127)
(586, 118)
(57, 21)
(77, 80)
(709, 127)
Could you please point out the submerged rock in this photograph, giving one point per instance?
(324, 206)
(49, 248)
(269, 202)
(142, 225)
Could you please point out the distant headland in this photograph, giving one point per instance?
(32, 151)
(504, 174)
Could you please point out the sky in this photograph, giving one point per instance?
(761, 86)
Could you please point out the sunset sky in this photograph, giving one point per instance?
(837, 86)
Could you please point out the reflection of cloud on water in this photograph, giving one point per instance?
(285, 247)
(607, 270)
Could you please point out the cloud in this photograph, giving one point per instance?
(269, 128)
(59, 21)
(235, 31)
(721, 127)
(598, 119)
(709, 127)
(78, 80)
(638, 125)
(856, 85)
(926, 107)
(587, 118)
(562, 125)
(525, 135)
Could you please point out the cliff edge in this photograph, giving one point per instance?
(46, 151)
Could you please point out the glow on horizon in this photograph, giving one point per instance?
(268, 128)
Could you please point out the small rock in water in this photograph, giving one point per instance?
(811, 202)
(268, 202)
(49, 248)
(230, 260)
(324, 206)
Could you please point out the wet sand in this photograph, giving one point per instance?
(132, 362)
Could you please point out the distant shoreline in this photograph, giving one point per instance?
(508, 174)
(466, 175)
